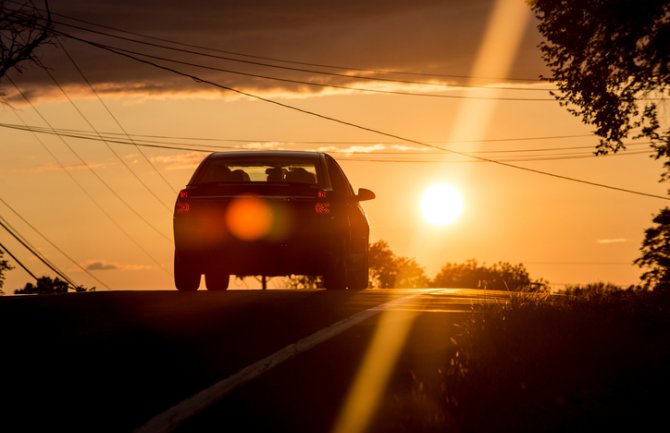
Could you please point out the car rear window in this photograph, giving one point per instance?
(259, 170)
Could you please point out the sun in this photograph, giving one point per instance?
(441, 204)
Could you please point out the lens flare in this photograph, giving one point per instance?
(249, 218)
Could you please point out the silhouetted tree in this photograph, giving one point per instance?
(656, 253)
(505, 276)
(383, 271)
(4, 266)
(468, 274)
(47, 285)
(23, 27)
(388, 270)
(410, 275)
(500, 276)
(610, 60)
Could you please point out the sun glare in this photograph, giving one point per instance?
(441, 204)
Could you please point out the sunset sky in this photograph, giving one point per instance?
(403, 94)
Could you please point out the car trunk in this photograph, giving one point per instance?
(283, 223)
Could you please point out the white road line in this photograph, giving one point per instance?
(169, 420)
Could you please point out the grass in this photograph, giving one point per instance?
(596, 359)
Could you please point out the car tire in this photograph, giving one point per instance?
(217, 280)
(186, 277)
(358, 279)
(335, 277)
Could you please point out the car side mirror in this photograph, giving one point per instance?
(364, 194)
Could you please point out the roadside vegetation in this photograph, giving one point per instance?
(389, 270)
(47, 285)
(592, 359)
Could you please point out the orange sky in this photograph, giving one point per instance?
(563, 231)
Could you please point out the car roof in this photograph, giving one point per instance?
(268, 153)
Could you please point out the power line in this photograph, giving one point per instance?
(377, 131)
(346, 75)
(116, 120)
(25, 221)
(81, 187)
(508, 160)
(293, 69)
(287, 61)
(110, 148)
(64, 133)
(9, 229)
(24, 267)
(100, 179)
(248, 94)
(408, 156)
(308, 83)
(375, 77)
(140, 137)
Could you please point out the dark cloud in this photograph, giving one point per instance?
(430, 36)
(101, 266)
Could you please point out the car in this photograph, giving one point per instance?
(270, 213)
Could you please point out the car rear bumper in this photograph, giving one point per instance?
(308, 254)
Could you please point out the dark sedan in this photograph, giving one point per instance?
(270, 213)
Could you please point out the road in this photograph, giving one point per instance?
(236, 361)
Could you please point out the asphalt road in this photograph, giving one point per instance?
(236, 361)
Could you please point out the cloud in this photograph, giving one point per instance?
(179, 161)
(432, 36)
(265, 145)
(103, 265)
(363, 149)
(612, 241)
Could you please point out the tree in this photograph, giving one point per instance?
(656, 253)
(505, 276)
(610, 60)
(410, 274)
(500, 276)
(23, 27)
(388, 270)
(383, 271)
(4, 266)
(466, 274)
(47, 285)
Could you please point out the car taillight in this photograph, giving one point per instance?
(182, 205)
(322, 205)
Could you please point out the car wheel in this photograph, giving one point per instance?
(217, 280)
(358, 279)
(335, 277)
(186, 277)
(358, 273)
